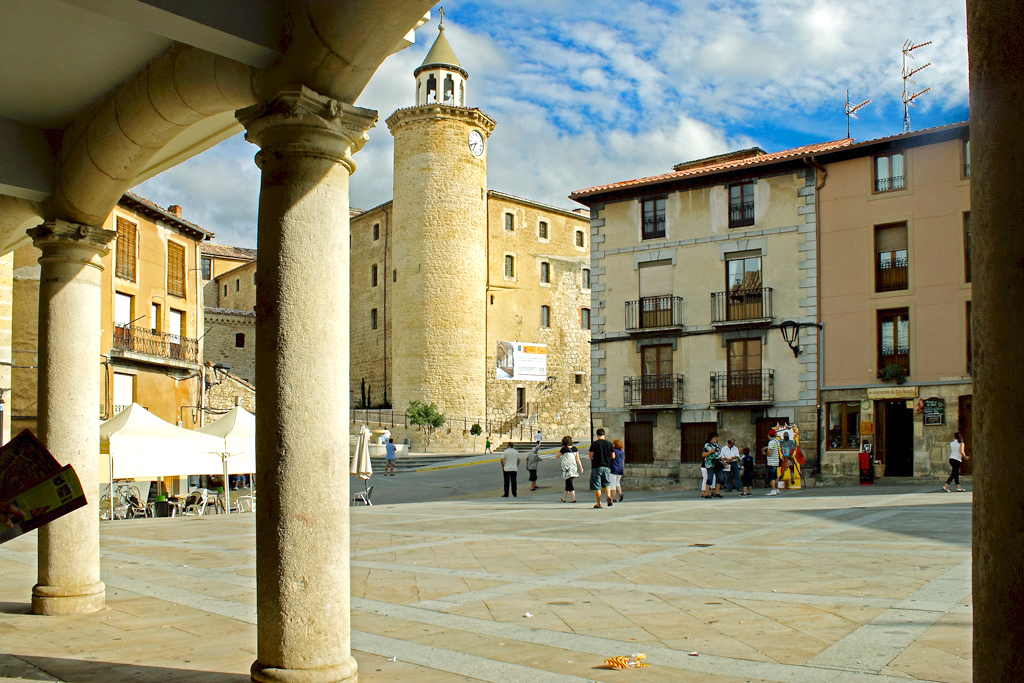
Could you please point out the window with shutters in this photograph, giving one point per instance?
(127, 249)
(889, 172)
(176, 270)
(656, 300)
(891, 262)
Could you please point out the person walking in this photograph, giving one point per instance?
(731, 465)
(510, 469)
(617, 468)
(532, 463)
(713, 466)
(538, 438)
(748, 472)
(601, 455)
(390, 456)
(957, 453)
(571, 465)
(487, 444)
(772, 455)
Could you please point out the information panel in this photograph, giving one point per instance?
(522, 361)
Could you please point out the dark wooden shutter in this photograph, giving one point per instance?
(175, 270)
(639, 443)
(127, 246)
(889, 238)
(693, 437)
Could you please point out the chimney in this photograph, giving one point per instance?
(175, 209)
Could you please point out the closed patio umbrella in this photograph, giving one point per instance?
(360, 462)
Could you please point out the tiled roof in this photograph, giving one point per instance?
(713, 168)
(164, 214)
(210, 310)
(227, 251)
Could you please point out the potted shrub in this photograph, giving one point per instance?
(893, 372)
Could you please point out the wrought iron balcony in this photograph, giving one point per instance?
(741, 215)
(891, 276)
(894, 355)
(743, 386)
(886, 184)
(652, 390)
(741, 305)
(157, 344)
(654, 312)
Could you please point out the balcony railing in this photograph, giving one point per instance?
(899, 356)
(886, 184)
(891, 276)
(158, 344)
(741, 215)
(743, 386)
(738, 305)
(654, 312)
(652, 390)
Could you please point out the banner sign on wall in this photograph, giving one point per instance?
(523, 362)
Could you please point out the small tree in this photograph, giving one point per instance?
(426, 416)
(476, 431)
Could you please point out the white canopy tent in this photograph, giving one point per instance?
(236, 430)
(136, 444)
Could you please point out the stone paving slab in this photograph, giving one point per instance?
(812, 586)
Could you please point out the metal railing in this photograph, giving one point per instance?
(385, 417)
(159, 344)
(741, 215)
(741, 304)
(899, 356)
(891, 275)
(654, 312)
(743, 386)
(886, 184)
(652, 390)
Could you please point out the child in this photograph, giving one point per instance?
(748, 472)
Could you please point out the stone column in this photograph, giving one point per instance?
(69, 409)
(997, 176)
(302, 322)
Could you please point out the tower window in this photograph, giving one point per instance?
(545, 316)
(449, 90)
(394, 275)
(240, 340)
(510, 222)
(225, 290)
(376, 231)
(586, 278)
(545, 272)
(431, 89)
(373, 318)
(585, 318)
(238, 284)
(510, 266)
(579, 238)
(542, 230)
(373, 275)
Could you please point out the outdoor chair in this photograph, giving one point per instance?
(136, 508)
(364, 496)
(195, 504)
(246, 503)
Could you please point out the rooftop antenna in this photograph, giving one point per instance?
(908, 97)
(850, 109)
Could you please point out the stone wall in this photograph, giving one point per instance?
(220, 345)
(222, 389)
(241, 288)
(371, 367)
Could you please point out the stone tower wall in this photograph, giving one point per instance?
(440, 253)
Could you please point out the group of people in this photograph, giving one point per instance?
(735, 467)
(607, 460)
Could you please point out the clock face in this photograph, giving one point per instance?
(476, 143)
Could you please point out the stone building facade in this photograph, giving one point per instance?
(895, 242)
(151, 314)
(697, 275)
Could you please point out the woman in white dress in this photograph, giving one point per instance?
(571, 465)
(957, 454)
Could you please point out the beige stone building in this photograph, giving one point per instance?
(895, 254)
(698, 278)
(151, 315)
(449, 268)
(231, 318)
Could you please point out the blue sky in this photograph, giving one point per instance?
(602, 91)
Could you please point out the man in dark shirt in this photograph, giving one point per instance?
(601, 456)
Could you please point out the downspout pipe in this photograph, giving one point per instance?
(822, 172)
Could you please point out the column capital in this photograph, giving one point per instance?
(299, 121)
(94, 242)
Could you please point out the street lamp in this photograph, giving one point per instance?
(791, 333)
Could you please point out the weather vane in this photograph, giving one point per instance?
(850, 109)
(908, 97)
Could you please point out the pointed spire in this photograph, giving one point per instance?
(441, 52)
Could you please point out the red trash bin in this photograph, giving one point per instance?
(867, 472)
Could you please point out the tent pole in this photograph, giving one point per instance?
(227, 486)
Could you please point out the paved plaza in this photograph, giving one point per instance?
(839, 585)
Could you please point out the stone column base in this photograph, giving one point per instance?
(342, 673)
(64, 600)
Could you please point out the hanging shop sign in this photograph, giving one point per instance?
(883, 393)
(935, 411)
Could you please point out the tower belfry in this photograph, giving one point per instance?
(440, 79)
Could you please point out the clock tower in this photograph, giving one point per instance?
(439, 278)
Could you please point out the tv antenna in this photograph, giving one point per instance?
(851, 110)
(908, 77)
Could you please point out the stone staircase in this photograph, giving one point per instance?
(408, 463)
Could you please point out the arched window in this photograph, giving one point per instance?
(545, 316)
(449, 90)
(431, 89)
(545, 272)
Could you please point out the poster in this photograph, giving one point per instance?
(522, 361)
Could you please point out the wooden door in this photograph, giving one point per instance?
(639, 442)
(693, 436)
(520, 399)
(965, 429)
(744, 370)
(656, 375)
